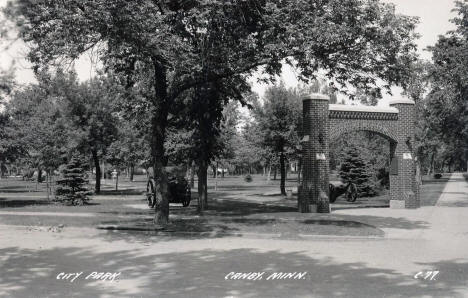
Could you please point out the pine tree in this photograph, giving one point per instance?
(355, 169)
(71, 188)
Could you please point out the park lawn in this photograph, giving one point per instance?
(431, 189)
(236, 207)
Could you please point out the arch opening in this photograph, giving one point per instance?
(362, 157)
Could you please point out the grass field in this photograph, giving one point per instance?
(235, 206)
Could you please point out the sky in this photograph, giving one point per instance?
(434, 20)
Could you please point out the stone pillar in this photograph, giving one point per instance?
(313, 192)
(404, 190)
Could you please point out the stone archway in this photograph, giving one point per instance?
(322, 122)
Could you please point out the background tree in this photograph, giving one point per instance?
(205, 118)
(278, 120)
(228, 135)
(92, 120)
(38, 127)
(249, 151)
(448, 98)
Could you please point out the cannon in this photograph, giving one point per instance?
(349, 189)
(178, 188)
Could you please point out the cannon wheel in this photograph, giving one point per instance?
(351, 197)
(151, 192)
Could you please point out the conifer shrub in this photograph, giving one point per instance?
(72, 185)
(248, 178)
(357, 170)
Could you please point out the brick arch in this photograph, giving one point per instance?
(335, 131)
(323, 122)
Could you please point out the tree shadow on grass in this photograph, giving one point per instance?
(201, 272)
(15, 203)
(340, 223)
(31, 190)
(383, 222)
(243, 208)
(19, 188)
(122, 192)
(225, 210)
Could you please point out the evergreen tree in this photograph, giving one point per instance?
(356, 169)
(71, 188)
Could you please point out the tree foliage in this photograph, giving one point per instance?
(278, 119)
(446, 106)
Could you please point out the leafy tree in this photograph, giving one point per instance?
(90, 113)
(447, 102)
(249, 151)
(228, 133)
(206, 117)
(11, 147)
(128, 150)
(37, 127)
(278, 119)
(353, 41)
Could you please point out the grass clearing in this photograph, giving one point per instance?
(235, 207)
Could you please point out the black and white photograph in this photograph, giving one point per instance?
(233, 148)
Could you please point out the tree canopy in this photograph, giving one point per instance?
(446, 106)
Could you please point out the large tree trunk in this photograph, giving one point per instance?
(97, 186)
(132, 172)
(202, 185)
(213, 168)
(216, 176)
(275, 171)
(432, 165)
(47, 185)
(283, 174)
(39, 175)
(117, 181)
(158, 136)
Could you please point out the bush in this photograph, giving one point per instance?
(437, 176)
(356, 169)
(71, 189)
(248, 178)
